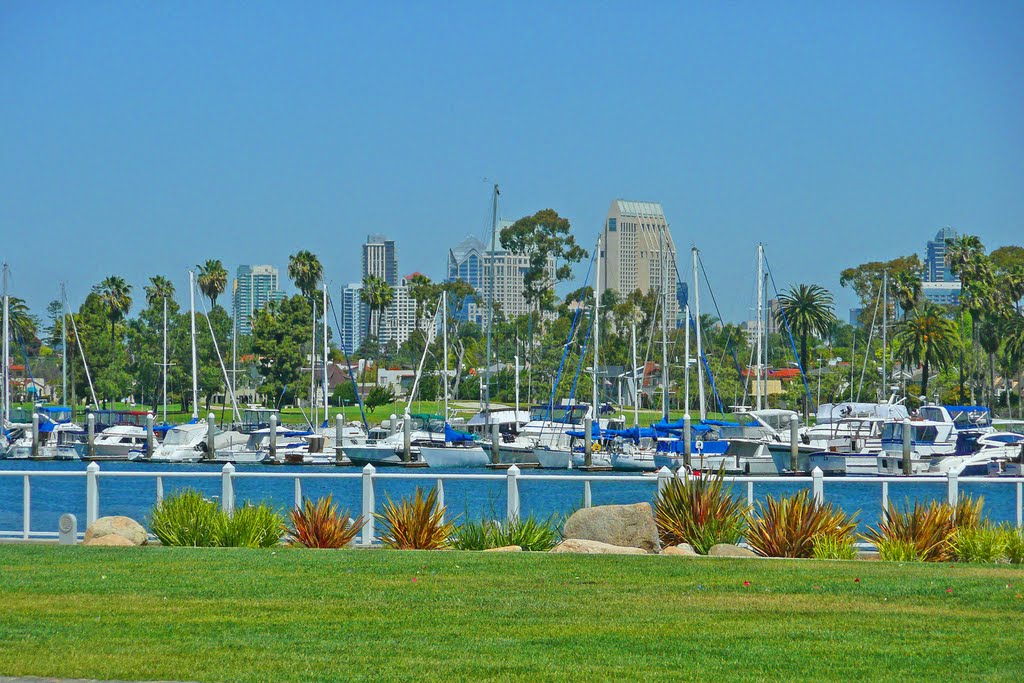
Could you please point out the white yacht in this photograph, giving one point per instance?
(187, 443)
(58, 436)
(515, 446)
(936, 432)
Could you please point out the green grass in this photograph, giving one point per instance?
(301, 615)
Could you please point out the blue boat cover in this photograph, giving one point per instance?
(708, 447)
(455, 436)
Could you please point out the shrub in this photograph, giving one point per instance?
(188, 519)
(529, 533)
(929, 527)
(897, 550)
(318, 525)
(789, 526)
(699, 511)
(418, 524)
(1014, 540)
(252, 526)
(826, 547)
(978, 544)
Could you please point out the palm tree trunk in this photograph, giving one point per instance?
(924, 376)
(803, 366)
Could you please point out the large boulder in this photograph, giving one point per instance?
(730, 550)
(505, 549)
(582, 545)
(622, 525)
(109, 540)
(683, 550)
(125, 527)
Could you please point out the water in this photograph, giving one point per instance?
(559, 493)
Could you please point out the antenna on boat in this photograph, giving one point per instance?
(326, 405)
(81, 351)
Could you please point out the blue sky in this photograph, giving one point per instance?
(142, 138)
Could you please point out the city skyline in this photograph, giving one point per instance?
(257, 144)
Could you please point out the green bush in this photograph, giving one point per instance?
(827, 547)
(978, 544)
(1014, 539)
(699, 511)
(189, 519)
(792, 526)
(416, 524)
(929, 528)
(530, 533)
(897, 550)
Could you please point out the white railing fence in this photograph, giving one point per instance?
(513, 477)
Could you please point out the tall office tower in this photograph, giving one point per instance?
(939, 286)
(631, 256)
(380, 258)
(353, 324)
(254, 288)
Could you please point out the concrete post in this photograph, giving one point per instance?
(26, 508)
(907, 465)
(495, 442)
(512, 512)
(664, 477)
(687, 441)
(407, 438)
(587, 497)
(227, 489)
(794, 444)
(90, 447)
(273, 436)
(35, 435)
(159, 490)
(211, 433)
(92, 494)
(818, 485)
(953, 488)
(150, 436)
(298, 492)
(588, 442)
(369, 503)
(339, 435)
(440, 498)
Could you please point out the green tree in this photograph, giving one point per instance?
(808, 310)
(306, 271)
(421, 290)
(866, 278)
(929, 338)
(212, 280)
(116, 296)
(278, 334)
(906, 289)
(158, 289)
(377, 294)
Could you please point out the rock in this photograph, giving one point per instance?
(109, 540)
(730, 550)
(683, 549)
(125, 527)
(585, 546)
(622, 525)
(505, 549)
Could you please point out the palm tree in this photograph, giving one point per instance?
(906, 287)
(305, 270)
(160, 288)
(377, 294)
(960, 251)
(807, 310)
(928, 338)
(212, 280)
(116, 295)
(22, 323)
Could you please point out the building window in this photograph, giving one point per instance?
(611, 225)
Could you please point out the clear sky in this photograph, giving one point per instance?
(142, 138)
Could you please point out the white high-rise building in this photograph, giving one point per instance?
(254, 288)
(631, 256)
(399, 319)
(353, 324)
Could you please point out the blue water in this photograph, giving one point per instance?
(559, 493)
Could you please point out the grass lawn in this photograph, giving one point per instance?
(296, 615)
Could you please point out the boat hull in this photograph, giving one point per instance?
(553, 459)
(367, 454)
(442, 456)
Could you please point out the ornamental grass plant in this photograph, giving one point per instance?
(416, 524)
(187, 519)
(699, 511)
(928, 528)
(529, 533)
(790, 526)
(318, 524)
(983, 543)
(252, 526)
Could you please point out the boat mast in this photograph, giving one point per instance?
(490, 299)
(636, 386)
(444, 346)
(195, 361)
(517, 383)
(597, 331)
(63, 347)
(312, 369)
(165, 358)
(7, 348)
(760, 313)
(664, 326)
(234, 340)
(326, 405)
(700, 353)
(885, 326)
(686, 339)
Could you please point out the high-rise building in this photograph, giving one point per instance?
(631, 251)
(353, 324)
(935, 268)
(399, 319)
(254, 288)
(380, 258)
(473, 262)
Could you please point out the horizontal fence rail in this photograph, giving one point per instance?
(228, 476)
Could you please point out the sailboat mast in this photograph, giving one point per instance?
(312, 370)
(326, 405)
(195, 360)
(444, 346)
(885, 329)
(234, 341)
(760, 314)
(517, 384)
(490, 298)
(7, 348)
(63, 346)
(636, 385)
(686, 359)
(165, 359)
(700, 352)
(597, 329)
(664, 326)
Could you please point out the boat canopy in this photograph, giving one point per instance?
(455, 436)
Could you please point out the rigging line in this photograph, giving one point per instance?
(728, 337)
(785, 322)
(871, 333)
(707, 368)
(81, 351)
(565, 351)
(583, 353)
(216, 347)
(348, 363)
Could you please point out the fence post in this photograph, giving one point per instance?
(885, 501)
(953, 488)
(27, 508)
(440, 498)
(298, 492)
(664, 477)
(92, 493)
(35, 435)
(750, 495)
(227, 489)
(369, 503)
(587, 499)
(818, 485)
(149, 435)
(512, 513)
(159, 490)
